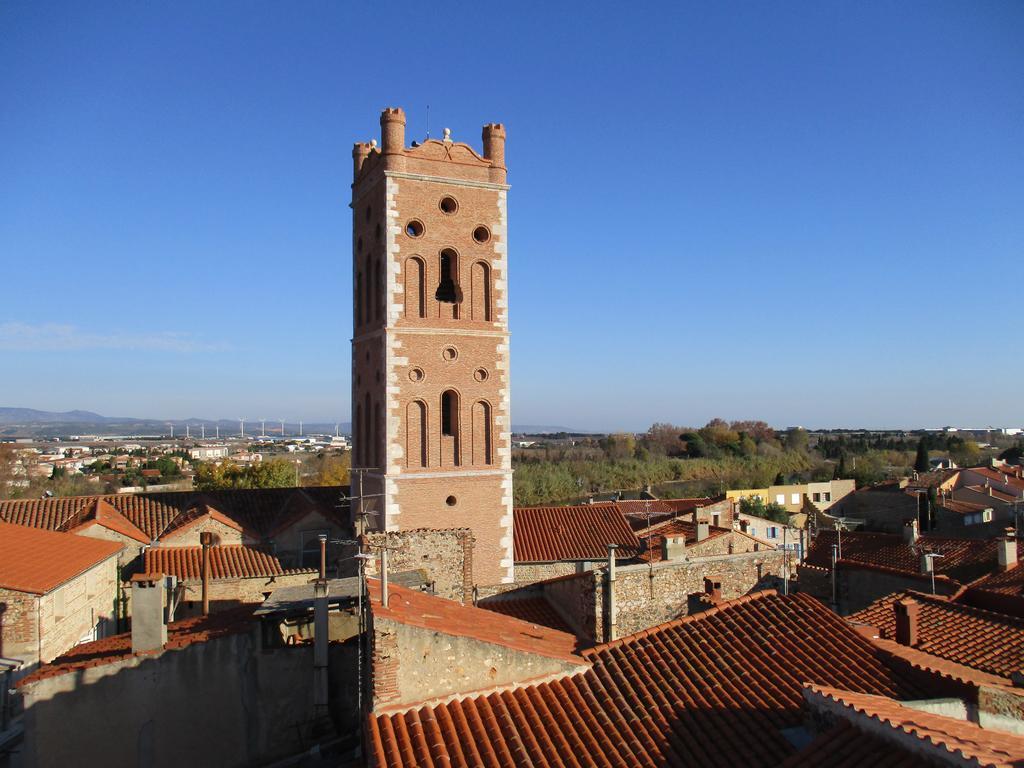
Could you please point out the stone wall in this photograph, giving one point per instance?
(230, 593)
(529, 573)
(412, 664)
(446, 556)
(647, 595)
(178, 708)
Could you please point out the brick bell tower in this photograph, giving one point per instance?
(430, 350)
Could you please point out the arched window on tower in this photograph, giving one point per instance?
(450, 454)
(482, 433)
(378, 297)
(379, 433)
(448, 290)
(359, 298)
(367, 430)
(481, 287)
(416, 434)
(415, 287)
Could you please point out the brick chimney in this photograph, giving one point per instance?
(906, 611)
(149, 626)
(1006, 550)
(713, 589)
(910, 531)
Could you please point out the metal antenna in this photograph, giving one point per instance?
(428, 121)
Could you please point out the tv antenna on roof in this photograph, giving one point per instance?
(428, 121)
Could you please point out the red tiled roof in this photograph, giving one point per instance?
(535, 610)
(257, 510)
(545, 534)
(103, 513)
(710, 689)
(180, 634)
(1002, 591)
(843, 746)
(662, 506)
(984, 640)
(672, 528)
(962, 559)
(38, 561)
(993, 493)
(1006, 478)
(437, 614)
(227, 561)
(194, 516)
(938, 736)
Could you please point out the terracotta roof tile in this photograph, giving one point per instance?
(962, 559)
(843, 746)
(1002, 591)
(36, 561)
(535, 610)
(228, 561)
(437, 614)
(939, 736)
(102, 512)
(180, 634)
(686, 528)
(256, 510)
(983, 640)
(546, 534)
(710, 689)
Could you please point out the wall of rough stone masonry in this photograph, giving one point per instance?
(288, 543)
(412, 664)
(528, 573)
(129, 557)
(230, 593)
(189, 536)
(642, 601)
(221, 702)
(646, 595)
(18, 626)
(446, 555)
(730, 543)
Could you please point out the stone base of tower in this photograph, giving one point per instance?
(466, 500)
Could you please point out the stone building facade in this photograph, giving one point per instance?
(430, 349)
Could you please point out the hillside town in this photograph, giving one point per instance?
(401, 608)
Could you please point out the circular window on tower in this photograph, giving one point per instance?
(481, 234)
(480, 374)
(451, 501)
(416, 374)
(448, 205)
(414, 228)
(449, 354)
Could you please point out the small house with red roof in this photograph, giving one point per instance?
(56, 590)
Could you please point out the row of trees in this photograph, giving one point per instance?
(321, 469)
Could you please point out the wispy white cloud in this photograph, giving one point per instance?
(50, 337)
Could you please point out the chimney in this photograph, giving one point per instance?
(906, 611)
(149, 627)
(611, 622)
(910, 531)
(673, 547)
(1006, 549)
(713, 589)
(927, 565)
(703, 530)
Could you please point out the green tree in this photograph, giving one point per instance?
(796, 439)
(921, 460)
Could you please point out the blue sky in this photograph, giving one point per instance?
(806, 212)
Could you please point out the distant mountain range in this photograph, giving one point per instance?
(33, 421)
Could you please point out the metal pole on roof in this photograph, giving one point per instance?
(835, 601)
(206, 539)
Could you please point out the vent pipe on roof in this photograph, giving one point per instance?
(206, 539)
